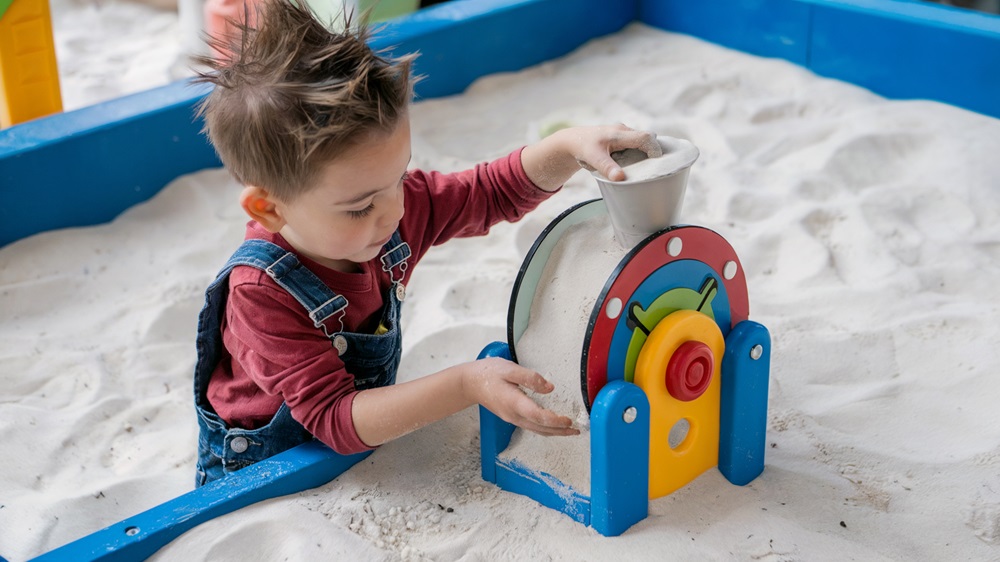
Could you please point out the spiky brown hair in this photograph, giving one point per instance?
(290, 94)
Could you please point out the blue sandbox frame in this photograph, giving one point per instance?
(85, 167)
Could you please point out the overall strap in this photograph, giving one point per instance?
(320, 301)
(394, 256)
(284, 267)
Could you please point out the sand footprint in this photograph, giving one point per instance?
(858, 255)
(875, 158)
(984, 520)
(799, 257)
(942, 216)
(707, 98)
(752, 205)
(765, 148)
(983, 516)
(775, 112)
(666, 93)
(171, 321)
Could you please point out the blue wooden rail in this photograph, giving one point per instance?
(86, 166)
(138, 537)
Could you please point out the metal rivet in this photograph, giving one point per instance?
(400, 292)
(756, 351)
(674, 246)
(630, 414)
(132, 531)
(239, 444)
(614, 308)
(340, 344)
(729, 270)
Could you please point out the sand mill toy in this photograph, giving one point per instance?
(668, 346)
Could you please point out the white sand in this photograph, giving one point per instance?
(110, 48)
(571, 282)
(869, 231)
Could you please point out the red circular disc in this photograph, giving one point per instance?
(699, 244)
(689, 371)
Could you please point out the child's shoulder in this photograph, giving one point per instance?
(252, 289)
(248, 277)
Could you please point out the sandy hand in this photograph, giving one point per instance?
(597, 153)
(497, 385)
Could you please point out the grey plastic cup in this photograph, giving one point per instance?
(649, 198)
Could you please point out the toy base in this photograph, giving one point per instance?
(619, 461)
(619, 465)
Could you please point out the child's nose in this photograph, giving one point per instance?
(394, 211)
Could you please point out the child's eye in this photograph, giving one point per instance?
(360, 214)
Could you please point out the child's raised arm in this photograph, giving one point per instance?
(552, 160)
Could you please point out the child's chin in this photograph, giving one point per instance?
(365, 255)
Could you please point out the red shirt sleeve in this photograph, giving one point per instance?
(444, 206)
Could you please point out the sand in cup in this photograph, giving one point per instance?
(649, 198)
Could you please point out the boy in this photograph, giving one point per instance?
(299, 337)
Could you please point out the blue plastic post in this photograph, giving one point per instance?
(494, 433)
(746, 366)
(619, 458)
(306, 466)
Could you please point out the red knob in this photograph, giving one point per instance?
(689, 371)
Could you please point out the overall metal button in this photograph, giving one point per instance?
(400, 292)
(340, 343)
(239, 444)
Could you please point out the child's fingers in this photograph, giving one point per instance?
(609, 169)
(538, 419)
(640, 140)
(621, 138)
(647, 143)
(563, 427)
(551, 432)
(602, 162)
(532, 381)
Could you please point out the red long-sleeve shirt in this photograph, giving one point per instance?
(273, 352)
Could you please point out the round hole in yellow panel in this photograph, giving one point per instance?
(679, 433)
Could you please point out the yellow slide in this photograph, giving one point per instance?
(29, 78)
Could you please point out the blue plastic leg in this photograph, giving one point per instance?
(494, 433)
(619, 453)
(743, 407)
(138, 537)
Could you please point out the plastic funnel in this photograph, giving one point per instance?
(649, 198)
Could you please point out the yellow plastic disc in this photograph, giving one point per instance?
(670, 468)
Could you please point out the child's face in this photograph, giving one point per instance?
(354, 205)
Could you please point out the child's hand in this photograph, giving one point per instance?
(495, 383)
(552, 160)
(592, 147)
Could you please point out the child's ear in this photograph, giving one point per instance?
(261, 207)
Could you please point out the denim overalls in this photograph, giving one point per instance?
(372, 359)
